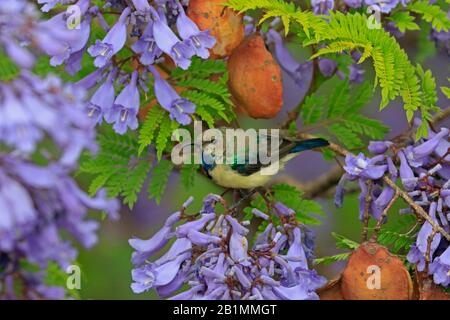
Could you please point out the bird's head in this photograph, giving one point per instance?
(209, 156)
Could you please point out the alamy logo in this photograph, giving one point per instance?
(227, 146)
(374, 14)
(73, 17)
(74, 279)
(374, 280)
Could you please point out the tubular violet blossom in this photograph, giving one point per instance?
(225, 267)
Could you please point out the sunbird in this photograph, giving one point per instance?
(242, 173)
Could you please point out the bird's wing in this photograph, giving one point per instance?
(286, 146)
(246, 168)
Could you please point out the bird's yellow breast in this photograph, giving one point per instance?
(226, 177)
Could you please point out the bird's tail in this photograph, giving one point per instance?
(309, 144)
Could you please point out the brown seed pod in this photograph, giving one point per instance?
(224, 24)
(368, 264)
(255, 79)
(428, 290)
(331, 291)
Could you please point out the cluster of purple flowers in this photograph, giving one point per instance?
(424, 171)
(40, 119)
(210, 252)
(148, 32)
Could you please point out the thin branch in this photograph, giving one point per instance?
(441, 116)
(377, 229)
(428, 254)
(367, 201)
(418, 209)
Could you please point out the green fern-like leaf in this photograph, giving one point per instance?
(346, 136)
(332, 259)
(343, 242)
(134, 182)
(313, 109)
(404, 21)
(395, 241)
(165, 133)
(446, 90)
(117, 167)
(339, 99)
(208, 86)
(187, 175)
(201, 69)
(149, 127)
(431, 13)
(158, 182)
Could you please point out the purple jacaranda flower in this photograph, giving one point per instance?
(209, 203)
(327, 66)
(141, 5)
(90, 80)
(409, 180)
(379, 147)
(50, 4)
(147, 47)
(417, 257)
(260, 214)
(416, 155)
(322, 6)
(249, 27)
(180, 246)
(440, 268)
(237, 227)
(392, 28)
(384, 6)
(71, 39)
(296, 251)
(143, 278)
(362, 199)
(340, 191)
(124, 111)
(102, 100)
(178, 107)
(356, 73)
(381, 202)
(16, 124)
(301, 73)
(21, 56)
(146, 248)
(149, 276)
(168, 42)
(360, 166)
(238, 248)
(298, 292)
(113, 42)
(201, 239)
(353, 3)
(183, 230)
(189, 294)
(283, 210)
(201, 41)
(426, 232)
(73, 63)
(174, 285)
